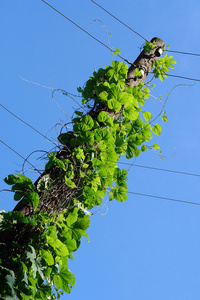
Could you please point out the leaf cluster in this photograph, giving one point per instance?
(162, 66)
(115, 125)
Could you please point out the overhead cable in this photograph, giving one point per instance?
(85, 31)
(119, 20)
(186, 53)
(26, 123)
(180, 52)
(160, 169)
(177, 76)
(19, 155)
(164, 198)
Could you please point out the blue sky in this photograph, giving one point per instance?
(145, 248)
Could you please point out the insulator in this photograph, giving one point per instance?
(159, 52)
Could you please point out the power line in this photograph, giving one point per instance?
(85, 31)
(177, 76)
(164, 198)
(180, 52)
(26, 124)
(160, 169)
(119, 20)
(18, 154)
(187, 53)
(183, 77)
(135, 165)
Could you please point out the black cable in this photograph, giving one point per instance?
(164, 198)
(178, 76)
(134, 165)
(187, 53)
(160, 169)
(182, 77)
(26, 124)
(19, 155)
(85, 31)
(181, 52)
(119, 20)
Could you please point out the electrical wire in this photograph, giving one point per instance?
(182, 77)
(26, 123)
(85, 31)
(180, 52)
(164, 198)
(124, 59)
(134, 165)
(178, 76)
(186, 53)
(19, 155)
(119, 20)
(160, 169)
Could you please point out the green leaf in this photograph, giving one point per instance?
(78, 113)
(148, 46)
(116, 51)
(72, 217)
(10, 281)
(131, 113)
(156, 129)
(71, 244)
(144, 148)
(79, 89)
(32, 199)
(103, 96)
(47, 256)
(58, 246)
(88, 121)
(113, 104)
(83, 223)
(18, 196)
(156, 146)
(88, 137)
(147, 115)
(127, 99)
(79, 153)
(118, 193)
(64, 280)
(69, 183)
(164, 118)
(17, 178)
(31, 255)
(102, 116)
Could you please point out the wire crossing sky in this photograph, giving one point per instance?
(180, 52)
(177, 76)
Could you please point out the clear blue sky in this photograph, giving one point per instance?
(145, 248)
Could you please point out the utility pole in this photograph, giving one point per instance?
(144, 63)
(59, 192)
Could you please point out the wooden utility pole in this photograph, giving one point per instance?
(75, 179)
(144, 63)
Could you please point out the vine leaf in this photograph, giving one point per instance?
(156, 129)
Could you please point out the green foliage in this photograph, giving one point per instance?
(162, 66)
(115, 126)
(43, 259)
(23, 187)
(148, 46)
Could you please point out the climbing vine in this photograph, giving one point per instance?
(44, 230)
